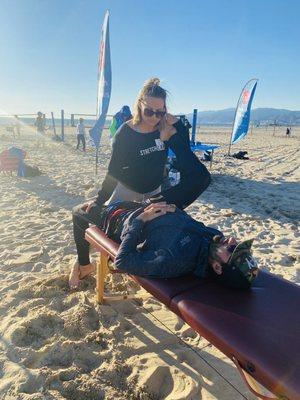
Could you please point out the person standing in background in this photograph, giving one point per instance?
(40, 129)
(17, 126)
(118, 119)
(80, 134)
(40, 123)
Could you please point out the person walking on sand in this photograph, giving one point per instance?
(80, 129)
(17, 126)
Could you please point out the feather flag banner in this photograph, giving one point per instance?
(104, 83)
(242, 113)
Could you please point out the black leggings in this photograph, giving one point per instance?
(110, 219)
(81, 221)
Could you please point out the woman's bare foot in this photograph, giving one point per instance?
(74, 276)
(86, 270)
(79, 272)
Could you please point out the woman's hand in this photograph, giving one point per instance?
(171, 119)
(166, 127)
(87, 206)
(156, 210)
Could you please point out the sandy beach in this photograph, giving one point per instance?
(57, 344)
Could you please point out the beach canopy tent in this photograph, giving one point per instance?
(258, 329)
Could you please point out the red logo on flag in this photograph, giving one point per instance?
(101, 56)
(245, 96)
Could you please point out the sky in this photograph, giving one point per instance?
(203, 52)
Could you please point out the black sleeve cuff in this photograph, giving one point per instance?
(178, 124)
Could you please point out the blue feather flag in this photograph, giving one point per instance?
(242, 113)
(104, 83)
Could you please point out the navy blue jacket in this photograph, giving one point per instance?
(171, 245)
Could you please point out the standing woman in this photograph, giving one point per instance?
(136, 168)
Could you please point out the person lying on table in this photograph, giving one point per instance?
(194, 179)
(161, 241)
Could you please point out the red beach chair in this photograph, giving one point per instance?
(258, 329)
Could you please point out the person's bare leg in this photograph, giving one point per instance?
(74, 276)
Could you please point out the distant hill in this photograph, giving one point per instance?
(260, 116)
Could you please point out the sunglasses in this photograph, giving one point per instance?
(231, 248)
(148, 112)
(222, 241)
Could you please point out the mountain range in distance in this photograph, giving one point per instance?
(258, 116)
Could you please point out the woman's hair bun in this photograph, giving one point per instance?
(152, 82)
(151, 88)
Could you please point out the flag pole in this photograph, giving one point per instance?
(97, 156)
(228, 154)
(194, 127)
(53, 124)
(62, 125)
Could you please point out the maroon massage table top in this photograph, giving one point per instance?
(259, 327)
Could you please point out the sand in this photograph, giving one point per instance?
(57, 344)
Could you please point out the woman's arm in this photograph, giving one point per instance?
(194, 176)
(108, 186)
(151, 263)
(116, 163)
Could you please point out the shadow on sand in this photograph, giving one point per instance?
(278, 200)
(46, 189)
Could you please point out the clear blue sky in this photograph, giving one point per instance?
(204, 51)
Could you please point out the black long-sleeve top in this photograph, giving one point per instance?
(138, 161)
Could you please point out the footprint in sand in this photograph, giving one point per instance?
(48, 210)
(65, 355)
(39, 266)
(35, 331)
(82, 321)
(188, 332)
(166, 382)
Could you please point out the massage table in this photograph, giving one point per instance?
(258, 329)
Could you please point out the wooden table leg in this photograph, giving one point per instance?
(102, 271)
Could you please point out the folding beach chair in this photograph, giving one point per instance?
(258, 329)
(11, 159)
